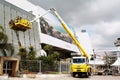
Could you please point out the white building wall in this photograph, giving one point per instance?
(58, 43)
(85, 41)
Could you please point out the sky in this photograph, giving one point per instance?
(100, 18)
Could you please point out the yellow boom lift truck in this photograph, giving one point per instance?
(79, 64)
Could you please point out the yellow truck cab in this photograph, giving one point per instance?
(80, 66)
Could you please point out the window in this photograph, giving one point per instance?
(79, 60)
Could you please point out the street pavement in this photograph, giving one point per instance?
(68, 77)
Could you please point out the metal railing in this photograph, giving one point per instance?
(37, 66)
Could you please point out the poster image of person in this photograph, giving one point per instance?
(50, 30)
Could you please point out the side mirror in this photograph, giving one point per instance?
(87, 60)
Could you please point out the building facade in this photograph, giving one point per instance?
(32, 37)
(28, 38)
(45, 31)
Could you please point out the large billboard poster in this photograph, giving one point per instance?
(53, 28)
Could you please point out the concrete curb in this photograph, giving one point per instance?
(4, 77)
(44, 75)
(52, 75)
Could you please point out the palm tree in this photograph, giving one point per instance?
(5, 47)
(48, 49)
(32, 53)
(3, 36)
(109, 60)
(23, 53)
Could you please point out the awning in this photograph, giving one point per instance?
(96, 62)
(117, 62)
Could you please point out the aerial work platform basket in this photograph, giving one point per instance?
(20, 24)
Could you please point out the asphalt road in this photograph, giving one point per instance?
(68, 77)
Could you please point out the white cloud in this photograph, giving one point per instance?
(96, 11)
(105, 34)
(108, 28)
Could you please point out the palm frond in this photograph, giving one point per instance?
(3, 38)
(6, 48)
(1, 28)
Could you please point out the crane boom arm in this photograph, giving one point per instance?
(84, 53)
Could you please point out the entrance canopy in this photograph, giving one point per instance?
(58, 44)
(96, 62)
(117, 62)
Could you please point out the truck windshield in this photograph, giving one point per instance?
(81, 60)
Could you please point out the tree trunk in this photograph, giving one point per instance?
(17, 34)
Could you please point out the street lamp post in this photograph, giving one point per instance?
(94, 60)
(118, 56)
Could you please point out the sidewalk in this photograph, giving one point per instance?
(34, 76)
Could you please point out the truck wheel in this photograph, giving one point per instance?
(73, 74)
(86, 75)
(89, 74)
